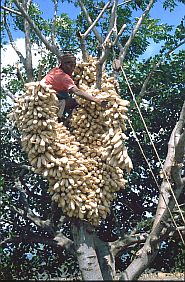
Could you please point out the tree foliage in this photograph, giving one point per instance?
(36, 243)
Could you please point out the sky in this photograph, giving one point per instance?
(171, 18)
(156, 12)
(9, 56)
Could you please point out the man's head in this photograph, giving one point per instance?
(67, 63)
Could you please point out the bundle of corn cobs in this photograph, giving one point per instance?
(84, 166)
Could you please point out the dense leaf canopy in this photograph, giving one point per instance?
(29, 251)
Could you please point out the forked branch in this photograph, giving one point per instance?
(167, 201)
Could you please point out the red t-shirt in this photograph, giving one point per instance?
(59, 80)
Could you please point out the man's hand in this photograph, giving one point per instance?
(104, 104)
(88, 97)
(101, 102)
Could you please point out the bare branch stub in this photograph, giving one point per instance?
(11, 10)
(54, 22)
(104, 45)
(21, 57)
(89, 21)
(53, 48)
(92, 24)
(82, 46)
(123, 50)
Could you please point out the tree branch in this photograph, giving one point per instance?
(58, 241)
(121, 4)
(179, 137)
(22, 59)
(19, 74)
(127, 241)
(106, 45)
(123, 50)
(11, 10)
(54, 22)
(65, 243)
(9, 94)
(85, 250)
(95, 22)
(90, 22)
(113, 16)
(119, 34)
(144, 86)
(166, 204)
(105, 258)
(45, 224)
(82, 47)
(29, 67)
(13, 164)
(41, 65)
(28, 239)
(49, 46)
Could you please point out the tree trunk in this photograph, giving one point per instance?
(84, 242)
(105, 258)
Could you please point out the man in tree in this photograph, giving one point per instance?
(62, 82)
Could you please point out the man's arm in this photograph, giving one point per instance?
(87, 96)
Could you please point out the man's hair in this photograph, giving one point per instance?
(66, 55)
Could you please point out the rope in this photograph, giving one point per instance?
(157, 157)
(137, 140)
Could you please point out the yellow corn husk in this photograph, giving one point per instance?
(62, 203)
(42, 143)
(33, 161)
(39, 162)
(81, 215)
(116, 138)
(84, 166)
(93, 204)
(72, 205)
(117, 150)
(88, 207)
(71, 181)
(64, 160)
(49, 157)
(118, 144)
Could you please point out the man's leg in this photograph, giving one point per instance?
(71, 104)
(62, 104)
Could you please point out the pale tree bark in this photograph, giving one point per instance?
(106, 44)
(21, 57)
(82, 37)
(53, 31)
(106, 258)
(52, 48)
(11, 10)
(172, 178)
(124, 49)
(28, 44)
(85, 249)
(97, 258)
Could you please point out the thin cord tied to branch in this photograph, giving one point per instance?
(155, 150)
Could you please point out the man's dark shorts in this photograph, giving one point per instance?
(63, 95)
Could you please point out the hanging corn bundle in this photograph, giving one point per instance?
(83, 166)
